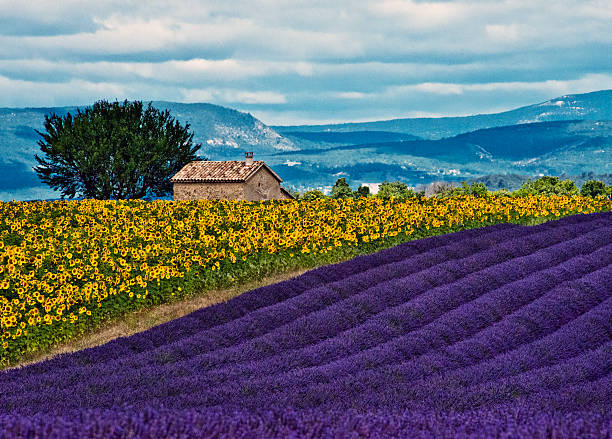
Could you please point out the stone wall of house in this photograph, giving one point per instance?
(284, 196)
(262, 186)
(208, 191)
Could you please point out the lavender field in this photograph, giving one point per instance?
(504, 331)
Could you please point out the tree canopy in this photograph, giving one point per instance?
(363, 191)
(113, 150)
(593, 188)
(548, 186)
(312, 195)
(394, 189)
(341, 189)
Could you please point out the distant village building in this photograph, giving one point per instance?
(249, 180)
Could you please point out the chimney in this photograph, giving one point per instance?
(248, 158)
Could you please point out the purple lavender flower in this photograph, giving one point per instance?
(504, 331)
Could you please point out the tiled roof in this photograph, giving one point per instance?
(226, 171)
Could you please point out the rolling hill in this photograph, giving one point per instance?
(328, 139)
(588, 106)
(224, 134)
(570, 135)
(548, 148)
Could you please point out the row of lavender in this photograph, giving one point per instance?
(503, 422)
(505, 330)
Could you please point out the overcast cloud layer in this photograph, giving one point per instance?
(311, 61)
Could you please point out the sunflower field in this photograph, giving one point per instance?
(68, 266)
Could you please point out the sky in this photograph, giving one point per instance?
(299, 62)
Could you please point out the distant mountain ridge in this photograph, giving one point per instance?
(543, 148)
(223, 132)
(588, 106)
(226, 132)
(327, 139)
(220, 130)
(570, 134)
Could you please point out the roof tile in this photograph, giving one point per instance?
(221, 171)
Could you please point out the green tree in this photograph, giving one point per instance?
(502, 193)
(568, 187)
(341, 189)
(593, 188)
(312, 195)
(394, 189)
(363, 191)
(113, 151)
(475, 189)
(547, 186)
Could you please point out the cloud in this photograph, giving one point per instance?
(436, 88)
(44, 18)
(503, 33)
(359, 59)
(553, 87)
(422, 15)
(17, 93)
(193, 71)
(232, 96)
(79, 92)
(350, 95)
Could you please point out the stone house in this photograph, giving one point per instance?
(249, 180)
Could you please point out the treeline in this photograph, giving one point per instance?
(396, 189)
